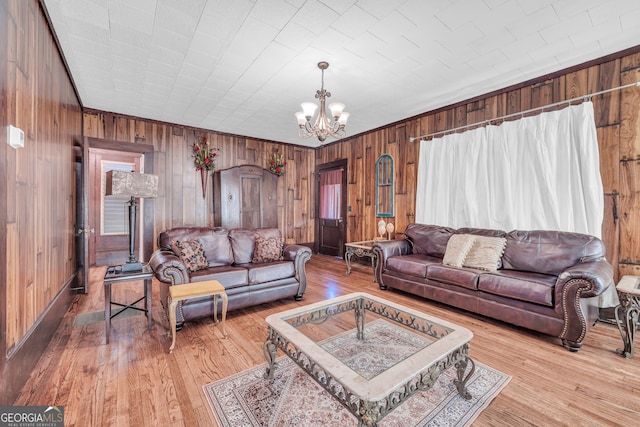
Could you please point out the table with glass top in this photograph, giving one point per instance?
(432, 346)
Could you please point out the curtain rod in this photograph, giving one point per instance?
(522, 113)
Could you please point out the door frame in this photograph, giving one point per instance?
(337, 164)
(147, 221)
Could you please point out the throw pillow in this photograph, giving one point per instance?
(458, 247)
(485, 253)
(191, 254)
(268, 249)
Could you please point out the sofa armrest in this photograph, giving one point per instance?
(597, 275)
(299, 254)
(168, 267)
(575, 290)
(385, 249)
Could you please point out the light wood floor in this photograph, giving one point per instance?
(133, 381)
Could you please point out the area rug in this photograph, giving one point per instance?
(293, 398)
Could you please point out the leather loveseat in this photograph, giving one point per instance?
(547, 281)
(254, 266)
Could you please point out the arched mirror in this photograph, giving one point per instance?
(384, 186)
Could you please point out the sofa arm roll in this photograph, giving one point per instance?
(576, 288)
(385, 249)
(598, 275)
(168, 267)
(299, 254)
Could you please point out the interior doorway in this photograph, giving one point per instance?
(331, 208)
(108, 216)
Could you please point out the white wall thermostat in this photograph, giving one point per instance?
(15, 137)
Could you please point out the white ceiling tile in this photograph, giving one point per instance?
(82, 10)
(315, 16)
(461, 12)
(566, 28)
(532, 23)
(379, 8)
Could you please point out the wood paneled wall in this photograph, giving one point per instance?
(180, 201)
(37, 190)
(617, 116)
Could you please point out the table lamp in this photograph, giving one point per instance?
(134, 185)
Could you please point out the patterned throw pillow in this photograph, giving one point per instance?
(485, 253)
(268, 249)
(191, 254)
(458, 247)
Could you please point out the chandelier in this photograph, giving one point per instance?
(323, 125)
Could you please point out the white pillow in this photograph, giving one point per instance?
(485, 253)
(458, 247)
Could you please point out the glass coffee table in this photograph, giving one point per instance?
(371, 374)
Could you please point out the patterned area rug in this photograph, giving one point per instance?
(293, 398)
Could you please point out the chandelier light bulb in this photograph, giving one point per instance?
(323, 126)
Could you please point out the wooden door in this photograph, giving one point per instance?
(331, 209)
(109, 216)
(250, 201)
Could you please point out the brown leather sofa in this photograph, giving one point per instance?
(547, 281)
(230, 259)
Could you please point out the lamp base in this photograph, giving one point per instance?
(131, 267)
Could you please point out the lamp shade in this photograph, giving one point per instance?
(131, 184)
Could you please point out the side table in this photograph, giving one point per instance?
(115, 275)
(628, 312)
(194, 290)
(359, 249)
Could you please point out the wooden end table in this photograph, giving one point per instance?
(628, 312)
(115, 275)
(195, 290)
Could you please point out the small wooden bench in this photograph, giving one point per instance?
(195, 290)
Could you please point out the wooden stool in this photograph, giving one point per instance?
(194, 290)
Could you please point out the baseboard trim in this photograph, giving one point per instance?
(22, 361)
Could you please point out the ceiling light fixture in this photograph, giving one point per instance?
(323, 125)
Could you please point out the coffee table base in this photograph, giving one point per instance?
(369, 413)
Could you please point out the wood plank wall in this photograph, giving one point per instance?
(617, 116)
(37, 194)
(180, 201)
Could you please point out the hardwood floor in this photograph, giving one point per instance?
(133, 381)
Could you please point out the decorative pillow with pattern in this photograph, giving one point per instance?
(191, 254)
(458, 248)
(268, 249)
(485, 253)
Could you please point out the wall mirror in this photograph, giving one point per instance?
(384, 186)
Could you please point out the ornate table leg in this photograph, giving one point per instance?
(627, 315)
(347, 257)
(461, 382)
(269, 349)
(359, 313)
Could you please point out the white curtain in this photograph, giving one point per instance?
(536, 173)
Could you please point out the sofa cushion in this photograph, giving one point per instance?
(268, 249)
(458, 247)
(549, 252)
(463, 277)
(191, 254)
(524, 286)
(412, 264)
(429, 239)
(270, 271)
(183, 233)
(485, 253)
(217, 247)
(229, 276)
(242, 243)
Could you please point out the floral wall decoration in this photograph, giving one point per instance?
(204, 160)
(277, 162)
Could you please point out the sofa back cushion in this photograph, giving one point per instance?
(549, 252)
(429, 239)
(215, 242)
(243, 241)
